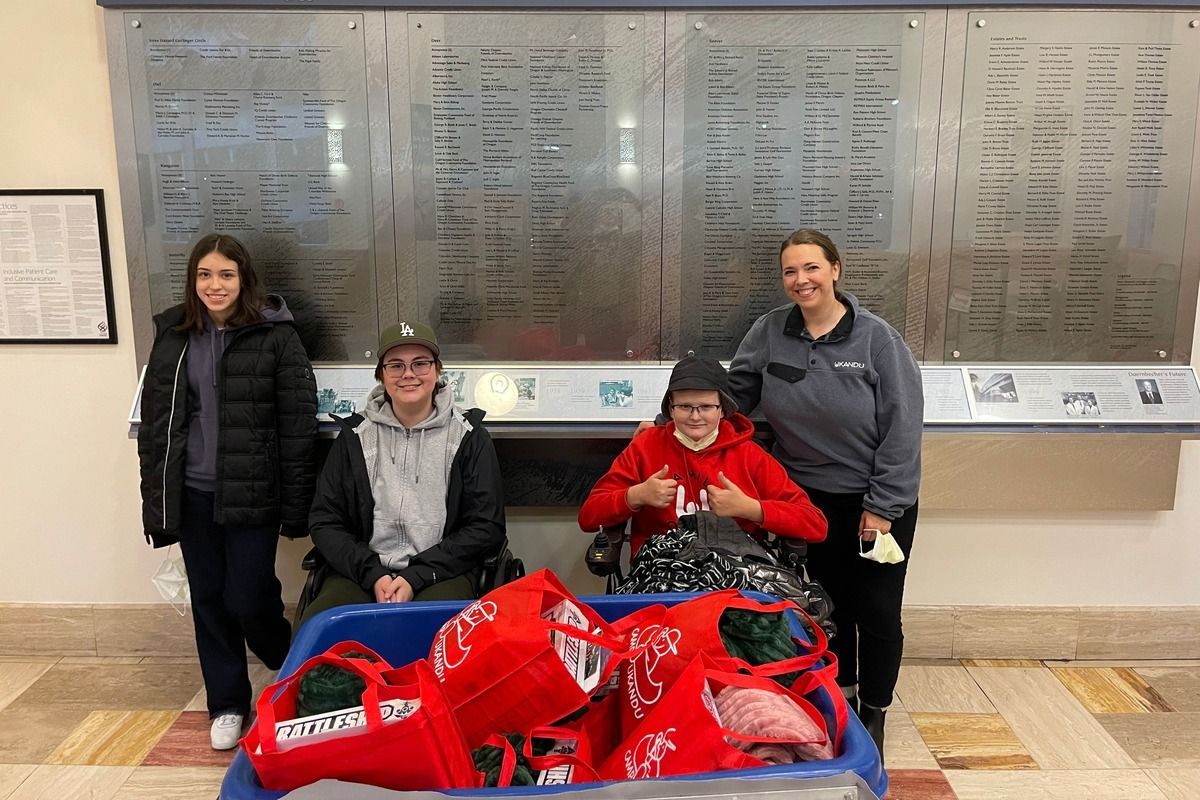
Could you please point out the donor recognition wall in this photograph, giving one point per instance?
(600, 186)
(1075, 170)
(789, 120)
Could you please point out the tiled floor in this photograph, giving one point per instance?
(99, 728)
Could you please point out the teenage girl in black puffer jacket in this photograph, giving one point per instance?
(226, 448)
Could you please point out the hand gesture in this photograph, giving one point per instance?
(728, 500)
(657, 491)
(383, 589)
(869, 523)
(402, 590)
(390, 589)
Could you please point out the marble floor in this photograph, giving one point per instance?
(98, 728)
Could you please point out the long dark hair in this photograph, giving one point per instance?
(810, 236)
(247, 307)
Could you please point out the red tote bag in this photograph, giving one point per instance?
(525, 655)
(403, 737)
(569, 760)
(683, 734)
(663, 641)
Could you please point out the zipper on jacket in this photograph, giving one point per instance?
(170, 428)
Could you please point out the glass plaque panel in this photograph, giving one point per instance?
(794, 120)
(256, 125)
(1096, 395)
(1074, 166)
(528, 147)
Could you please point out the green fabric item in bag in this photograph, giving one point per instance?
(326, 688)
(758, 638)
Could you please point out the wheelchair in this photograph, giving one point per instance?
(603, 556)
(496, 570)
(603, 559)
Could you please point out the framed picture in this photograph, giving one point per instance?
(55, 274)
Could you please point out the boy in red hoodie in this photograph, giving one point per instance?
(703, 459)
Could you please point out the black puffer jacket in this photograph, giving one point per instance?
(343, 511)
(268, 428)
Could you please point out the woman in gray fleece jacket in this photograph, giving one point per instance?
(843, 394)
(410, 501)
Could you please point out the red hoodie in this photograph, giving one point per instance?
(787, 511)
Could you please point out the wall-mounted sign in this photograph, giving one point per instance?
(55, 277)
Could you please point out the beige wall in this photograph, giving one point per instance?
(69, 519)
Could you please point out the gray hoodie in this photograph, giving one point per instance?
(204, 351)
(409, 469)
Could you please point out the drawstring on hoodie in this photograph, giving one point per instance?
(392, 434)
(214, 352)
(420, 443)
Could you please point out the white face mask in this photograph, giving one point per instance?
(885, 549)
(171, 581)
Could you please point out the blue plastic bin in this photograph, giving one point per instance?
(403, 633)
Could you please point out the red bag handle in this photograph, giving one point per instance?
(798, 663)
(745, 603)
(614, 644)
(350, 646)
(611, 642)
(508, 764)
(545, 762)
(265, 707)
(826, 677)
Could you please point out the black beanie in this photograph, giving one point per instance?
(705, 374)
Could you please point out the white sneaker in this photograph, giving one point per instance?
(226, 730)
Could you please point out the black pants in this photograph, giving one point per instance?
(867, 597)
(235, 601)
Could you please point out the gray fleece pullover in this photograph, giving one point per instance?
(847, 408)
(204, 351)
(409, 469)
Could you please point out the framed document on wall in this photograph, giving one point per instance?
(55, 275)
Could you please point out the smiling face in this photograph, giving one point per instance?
(808, 277)
(218, 284)
(406, 389)
(698, 423)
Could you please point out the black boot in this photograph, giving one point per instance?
(852, 702)
(872, 719)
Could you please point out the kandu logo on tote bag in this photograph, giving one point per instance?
(644, 760)
(643, 690)
(447, 657)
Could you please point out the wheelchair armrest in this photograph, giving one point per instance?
(312, 559)
(792, 552)
(497, 569)
(603, 556)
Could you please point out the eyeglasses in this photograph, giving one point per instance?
(420, 367)
(688, 409)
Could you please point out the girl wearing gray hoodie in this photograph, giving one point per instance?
(410, 501)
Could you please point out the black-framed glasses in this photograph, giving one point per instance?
(420, 367)
(702, 409)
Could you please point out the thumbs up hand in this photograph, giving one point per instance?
(728, 500)
(657, 491)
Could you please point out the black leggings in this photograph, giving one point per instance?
(867, 597)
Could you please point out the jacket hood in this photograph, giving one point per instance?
(169, 318)
(276, 310)
(731, 431)
(378, 409)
